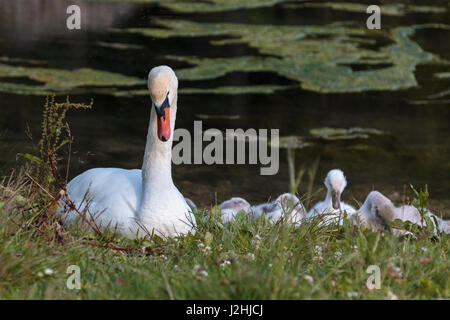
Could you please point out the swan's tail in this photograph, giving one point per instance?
(190, 203)
(443, 225)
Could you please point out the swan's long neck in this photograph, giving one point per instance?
(157, 165)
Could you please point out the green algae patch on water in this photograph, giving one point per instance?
(442, 75)
(61, 81)
(322, 135)
(318, 57)
(397, 9)
(257, 89)
(290, 142)
(344, 134)
(205, 6)
(218, 5)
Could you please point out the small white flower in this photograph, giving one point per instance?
(317, 253)
(48, 271)
(199, 271)
(201, 245)
(270, 265)
(424, 249)
(225, 263)
(249, 256)
(338, 254)
(196, 268)
(207, 250)
(256, 241)
(318, 250)
(309, 279)
(391, 296)
(232, 256)
(352, 294)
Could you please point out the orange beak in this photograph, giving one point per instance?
(164, 125)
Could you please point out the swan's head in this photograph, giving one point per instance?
(163, 86)
(335, 183)
(378, 208)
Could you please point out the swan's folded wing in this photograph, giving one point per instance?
(105, 194)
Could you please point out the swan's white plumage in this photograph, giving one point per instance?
(233, 206)
(335, 182)
(286, 206)
(411, 214)
(377, 211)
(134, 202)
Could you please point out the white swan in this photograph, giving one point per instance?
(136, 202)
(332, 206)
(377, 211)
(286, 205)
(233, 206)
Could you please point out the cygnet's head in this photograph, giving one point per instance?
(335, 183)
(289, 201)
(378, 209)
(163, 86)
(233, 206)
(236, 204)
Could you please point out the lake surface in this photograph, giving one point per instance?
(291, 66)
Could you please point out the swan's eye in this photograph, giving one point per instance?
(166, 103)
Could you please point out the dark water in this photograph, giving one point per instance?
(114, 132)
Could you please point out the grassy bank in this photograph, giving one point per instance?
(241, 260)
